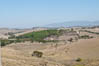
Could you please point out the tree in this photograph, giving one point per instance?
(37, 54)
(70, 40)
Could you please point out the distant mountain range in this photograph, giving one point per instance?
(74, 24)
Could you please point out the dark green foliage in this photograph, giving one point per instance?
(33, 36)
(39, 36)
(37, 54)
(6, 42)
(78, 59)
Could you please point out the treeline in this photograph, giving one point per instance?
(4, 42)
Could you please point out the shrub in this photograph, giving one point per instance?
(70, 40)
(37, 54)
(78, 59)
(3, 44)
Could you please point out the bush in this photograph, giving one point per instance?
(70, 40)
(37, 54)
(3, 44)
(78, 59)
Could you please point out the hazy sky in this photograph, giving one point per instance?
(30, 13)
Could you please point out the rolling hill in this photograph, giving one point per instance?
(74, 24)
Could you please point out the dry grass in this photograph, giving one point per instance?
(20, 54)
(63, 55)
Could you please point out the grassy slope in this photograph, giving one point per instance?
(20, 54)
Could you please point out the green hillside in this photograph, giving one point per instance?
(39, 35)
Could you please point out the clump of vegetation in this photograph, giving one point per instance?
(70, 40)
(37, 54)
(33, 36)
(39, 35)
(85, 37)
(78, 59)
(5, 42)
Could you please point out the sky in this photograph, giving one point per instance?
(34, 13)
